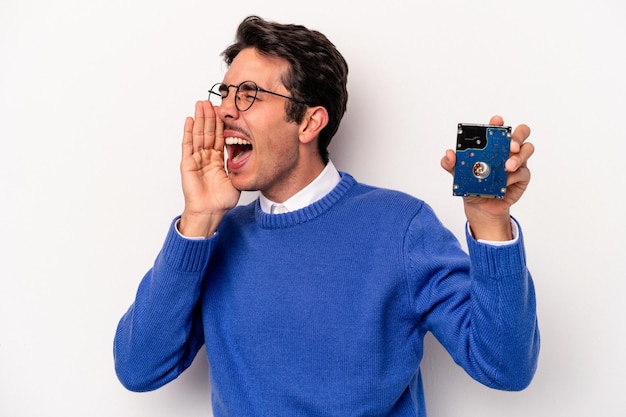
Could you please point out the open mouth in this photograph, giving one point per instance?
(238, 148)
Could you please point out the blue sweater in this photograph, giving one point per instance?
(323, 311)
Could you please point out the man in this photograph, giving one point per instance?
(320, 310)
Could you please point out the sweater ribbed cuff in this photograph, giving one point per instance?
(185, 255)
(500, 261)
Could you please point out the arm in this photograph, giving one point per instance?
(481, 308)
(484, 312)
(161, 332)
(505, 331)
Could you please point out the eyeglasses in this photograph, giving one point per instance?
(245, 94)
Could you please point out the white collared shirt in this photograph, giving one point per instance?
(316, 190)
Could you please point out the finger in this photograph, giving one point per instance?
(520, 159)
(219, 134)
(496, 120)
(518, 142)
(526, 151)
(520, 177)
(188, 137)
(198, 128)
(209, 124)
(448, 161)
(520, 134)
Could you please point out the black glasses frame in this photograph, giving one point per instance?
(218, 89)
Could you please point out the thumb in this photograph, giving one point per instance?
(448, 161)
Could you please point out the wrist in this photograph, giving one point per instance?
(491, 229)
(198, 225)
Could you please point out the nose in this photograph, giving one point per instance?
(227, 109)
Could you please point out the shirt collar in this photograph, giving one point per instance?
(316, 190)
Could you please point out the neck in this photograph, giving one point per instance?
(300, 177)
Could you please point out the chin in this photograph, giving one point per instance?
(240, 183)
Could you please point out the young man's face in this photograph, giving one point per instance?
(269, 159)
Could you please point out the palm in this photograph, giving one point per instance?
(497, 207)
(206, 185)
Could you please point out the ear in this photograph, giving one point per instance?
(315, 119)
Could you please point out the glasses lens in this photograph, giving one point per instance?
(217, 93)
(246, 94)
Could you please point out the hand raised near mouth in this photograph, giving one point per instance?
(208, 191)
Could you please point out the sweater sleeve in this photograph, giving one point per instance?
(160, 334)
(480, 307)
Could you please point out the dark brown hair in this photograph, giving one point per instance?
(317, 76)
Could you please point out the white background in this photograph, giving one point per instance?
(93, 96)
